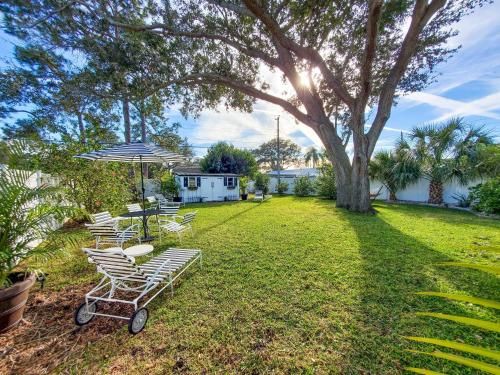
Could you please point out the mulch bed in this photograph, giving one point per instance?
(48, 336)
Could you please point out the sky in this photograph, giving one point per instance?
(468, 85)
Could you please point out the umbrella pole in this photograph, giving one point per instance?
(144, 219)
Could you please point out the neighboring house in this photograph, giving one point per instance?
(289, 176)
(198, 186)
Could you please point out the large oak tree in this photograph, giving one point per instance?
(356, 56)
(346, 60)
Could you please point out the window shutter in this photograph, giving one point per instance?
(236, 181)
(225, 181)
(198, 181)
(185, 182)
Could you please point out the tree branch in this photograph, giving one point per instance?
(374, 13)
(169, 31)
(249, 90)
(303, 52)
(422, 13)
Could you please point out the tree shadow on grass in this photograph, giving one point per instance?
(394, 267)
(226, 220)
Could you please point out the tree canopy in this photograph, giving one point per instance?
(267, 154)
(223, 157)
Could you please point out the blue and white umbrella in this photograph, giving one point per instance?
(136, 152)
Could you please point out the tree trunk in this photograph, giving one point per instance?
(81, 128)
(343, 185)
(360, 180)
(126, 120)
(435, 192)
(392, 195)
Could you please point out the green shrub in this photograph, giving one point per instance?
(243, 184)
(486, 196)
(325, 183)
(304, 186)
(169, 185)
(282, 187)
(261, 182)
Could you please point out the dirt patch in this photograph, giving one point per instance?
(48, 336)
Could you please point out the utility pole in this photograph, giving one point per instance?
(278, 148)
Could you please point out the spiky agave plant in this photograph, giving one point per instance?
(457, 346)
(27, 215)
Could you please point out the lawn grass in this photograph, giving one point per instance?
(294, 285)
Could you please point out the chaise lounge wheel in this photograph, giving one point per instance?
(138, 321)
(85, 313)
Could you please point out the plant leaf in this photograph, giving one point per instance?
(463, 298)
(490, 269)
(484, 324)
(483, 366)
(493, 354)
(423, 371)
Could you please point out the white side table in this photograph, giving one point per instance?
(138, 250)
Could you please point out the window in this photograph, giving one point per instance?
(230, 182)
(192, 183)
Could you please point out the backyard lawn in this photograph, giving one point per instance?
(292, 285)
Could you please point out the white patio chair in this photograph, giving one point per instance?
(123, 276)
(259, 195)
(134, 207)
(169, 208)
(180, 227)
(108, 234)
(105, 218)
(153, 202)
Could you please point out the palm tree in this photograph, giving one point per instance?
(395, 169)
(447, 151)
(312, 155)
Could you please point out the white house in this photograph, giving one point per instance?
(198, 186)
(289, 176)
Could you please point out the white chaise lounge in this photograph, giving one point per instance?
(128, 283)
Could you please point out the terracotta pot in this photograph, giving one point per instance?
(13, 300)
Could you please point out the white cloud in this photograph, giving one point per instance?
(452, 108)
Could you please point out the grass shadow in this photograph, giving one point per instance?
(395, 266)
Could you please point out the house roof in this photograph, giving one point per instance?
(196, 171)
(295, 172)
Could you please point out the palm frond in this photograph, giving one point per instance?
(471, 349)
(459, 297)
(483, 324)
(422, 371)
(479, 365)
(490, 269)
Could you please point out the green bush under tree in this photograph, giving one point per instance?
(282, 187)
(325, 182)
(485, 197)
(261, 182)
(304, 186)
(89, 185)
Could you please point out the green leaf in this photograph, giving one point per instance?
(493, 354)
(490, 269)
(423, 371)
(490, 326)
(483, 366)
(460, 297)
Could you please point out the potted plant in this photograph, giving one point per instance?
(243, 188)
(170, 187)
(26, 216)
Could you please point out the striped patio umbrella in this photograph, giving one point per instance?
(136, 152)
